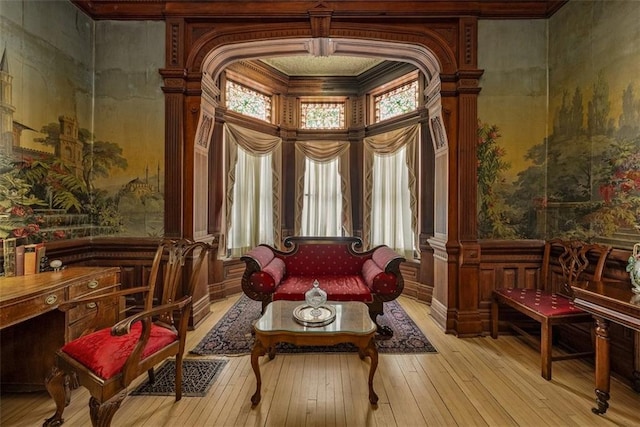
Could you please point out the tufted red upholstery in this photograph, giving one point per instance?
(547, 304)
(105, 354)
(319, 260)
(344, 271)
(339, 288)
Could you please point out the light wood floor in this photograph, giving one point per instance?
(469, 382)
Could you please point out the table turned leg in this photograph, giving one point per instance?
(603, 366)
(258, 350)
(372, 352)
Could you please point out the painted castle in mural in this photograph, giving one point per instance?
(47, 187)
(585, 179)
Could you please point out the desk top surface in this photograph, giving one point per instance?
(616, 303)
(20, 287)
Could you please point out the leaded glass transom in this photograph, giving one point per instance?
(397, 101)
(322, 115)
(249, 102)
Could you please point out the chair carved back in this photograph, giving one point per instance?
(574, 260)
(170, 267)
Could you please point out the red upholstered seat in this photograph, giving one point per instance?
(105, 354)
(341, 288)
(545, 303)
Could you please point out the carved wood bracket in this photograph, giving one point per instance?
(320, 17)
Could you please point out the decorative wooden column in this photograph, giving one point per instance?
(466, 320)
(186, 163)
(457, 252)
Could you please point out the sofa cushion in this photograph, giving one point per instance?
(262, 282)
(320, 259)
(275, 269)
(369, 271)
(338, 288)
(383, 255)
(261, 254)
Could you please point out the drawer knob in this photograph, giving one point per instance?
(92, 284)
(51, 299)
(91, 305)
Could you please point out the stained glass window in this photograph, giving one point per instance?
(247, 101)
(322, 115)
(398, 101)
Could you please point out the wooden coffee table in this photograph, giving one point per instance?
(351, 325)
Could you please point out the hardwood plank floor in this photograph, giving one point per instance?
(469, 382)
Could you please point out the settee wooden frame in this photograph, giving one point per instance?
(354, 246)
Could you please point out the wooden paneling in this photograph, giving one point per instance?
(517, 264)
(159, 10)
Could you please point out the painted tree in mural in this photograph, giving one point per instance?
(592, 170)
(495, 213)
(584, 181)
(47, 198)
(619, 174)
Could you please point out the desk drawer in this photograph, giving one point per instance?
(31, 307)
(108, 318)
(92, 284)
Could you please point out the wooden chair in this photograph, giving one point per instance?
(107, 361)
(564, 264)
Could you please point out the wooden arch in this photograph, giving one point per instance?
(444, 50)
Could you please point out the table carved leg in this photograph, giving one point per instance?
(602, 366)
(258, 350)
(372, 352)
(57, 384)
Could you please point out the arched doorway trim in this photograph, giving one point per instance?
(219, 58)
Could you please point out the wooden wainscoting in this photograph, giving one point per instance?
(227, 274)
(413, 286)
(516, 263)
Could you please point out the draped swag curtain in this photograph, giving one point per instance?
(252, 202)
(390, 214)
(323, 152)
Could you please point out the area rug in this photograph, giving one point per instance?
(232, 334)
(197, 378)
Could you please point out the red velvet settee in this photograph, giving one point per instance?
(346, 274)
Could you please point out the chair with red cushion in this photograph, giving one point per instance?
(564, 264)
(108, 360)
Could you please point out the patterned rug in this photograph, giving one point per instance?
(197, 378)
(232, 334)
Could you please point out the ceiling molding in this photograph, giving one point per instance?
(417, 9)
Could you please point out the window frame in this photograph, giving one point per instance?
(323, 100)
(390, 86)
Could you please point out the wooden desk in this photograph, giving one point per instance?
(607, 303)
(31, 326)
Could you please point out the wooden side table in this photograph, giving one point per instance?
(351, 325)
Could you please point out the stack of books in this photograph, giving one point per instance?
(22, 260)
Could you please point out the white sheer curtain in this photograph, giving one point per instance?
(253, 162)
(322, 170)
(322, 204)
(252, 211)
(391, 222)
(390, 214)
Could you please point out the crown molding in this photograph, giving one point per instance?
(417, 9)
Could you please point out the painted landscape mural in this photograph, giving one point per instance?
(582, 179)
(82, 124)
(82, 145)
